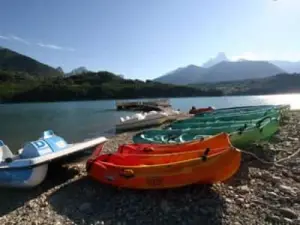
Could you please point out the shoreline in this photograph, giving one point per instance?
(138, 98)
(258, 194)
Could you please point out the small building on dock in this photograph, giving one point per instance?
(144, 105)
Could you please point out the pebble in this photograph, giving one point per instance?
(287, 220)
(244, 189)
(289, 213)
(287, 189)
(85, 207)
(273, 194)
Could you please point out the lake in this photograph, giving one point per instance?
(76, 121)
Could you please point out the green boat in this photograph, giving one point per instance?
(240, 135)
(194, 124)
(244, 109)
(233, 116)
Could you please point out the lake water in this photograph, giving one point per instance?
(76, 121)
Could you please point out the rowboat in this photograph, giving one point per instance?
(140, 171)
(240, 135)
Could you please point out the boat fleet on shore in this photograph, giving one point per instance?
(204, 148)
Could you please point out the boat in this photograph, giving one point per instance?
(233, 116)
(245, 109)
(212, 142)
(143, 120)
(151, 171)
(193, 110)
(240, 135)
(29, 167)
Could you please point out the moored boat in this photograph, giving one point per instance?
(29, 167)
(143, 120)
(147, 171)
(240, 135)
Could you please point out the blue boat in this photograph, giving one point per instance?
(29, 167)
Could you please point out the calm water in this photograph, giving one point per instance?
(76, 121)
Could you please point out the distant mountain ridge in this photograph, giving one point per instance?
(12, 61)
(220, 69)
(77, 71)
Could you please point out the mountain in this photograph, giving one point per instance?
(183, 75)
(11, 61)
(240, 70)
(278, 84)
(290, 67)
(222, 71)
(59, 69)
(77, 71)
(213, 61)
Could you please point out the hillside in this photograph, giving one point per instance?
(222, 71)
(278, 84)
(14, 62)
(182, 76)
(289, 67)
(89, 86)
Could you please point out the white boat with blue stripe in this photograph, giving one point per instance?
(29, 167)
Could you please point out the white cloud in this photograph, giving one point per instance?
(55, 47)
(4, 37)
(16, 38)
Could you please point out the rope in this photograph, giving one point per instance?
(274, 162)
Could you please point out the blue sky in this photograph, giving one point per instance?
(145, 39)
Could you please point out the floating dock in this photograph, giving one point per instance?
(145, 105)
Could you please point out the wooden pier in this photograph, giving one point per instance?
(145, 105)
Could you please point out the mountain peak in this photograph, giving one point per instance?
(213, 61)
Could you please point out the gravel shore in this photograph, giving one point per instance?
(259, 193)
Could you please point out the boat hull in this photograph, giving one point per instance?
(137, 175)
(23, 177)
(141, 124)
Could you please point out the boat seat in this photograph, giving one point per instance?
(5, 153)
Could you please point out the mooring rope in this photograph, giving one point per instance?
(271, 162)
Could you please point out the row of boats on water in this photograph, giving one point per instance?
(200, 149)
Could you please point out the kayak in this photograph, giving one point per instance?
(185, 124)
(165, 170)
(233, 116)
(213, 142)
(246, 109)
(239, 135)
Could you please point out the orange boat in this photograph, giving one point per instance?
(212, 142)
(165, 170)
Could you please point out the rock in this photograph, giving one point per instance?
(289, 213)
(286, 189)
(293, 139)
(240, 201)
(287, 220)
(85, 207)
(244, 189)
(274, 218)
(288, 144)
(273, 194)
(228, 200)
(237, 223)
(164, 206)
(276, 179)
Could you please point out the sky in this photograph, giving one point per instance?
(144, 39)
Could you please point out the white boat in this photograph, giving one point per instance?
(143, 120)
(29, 167)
